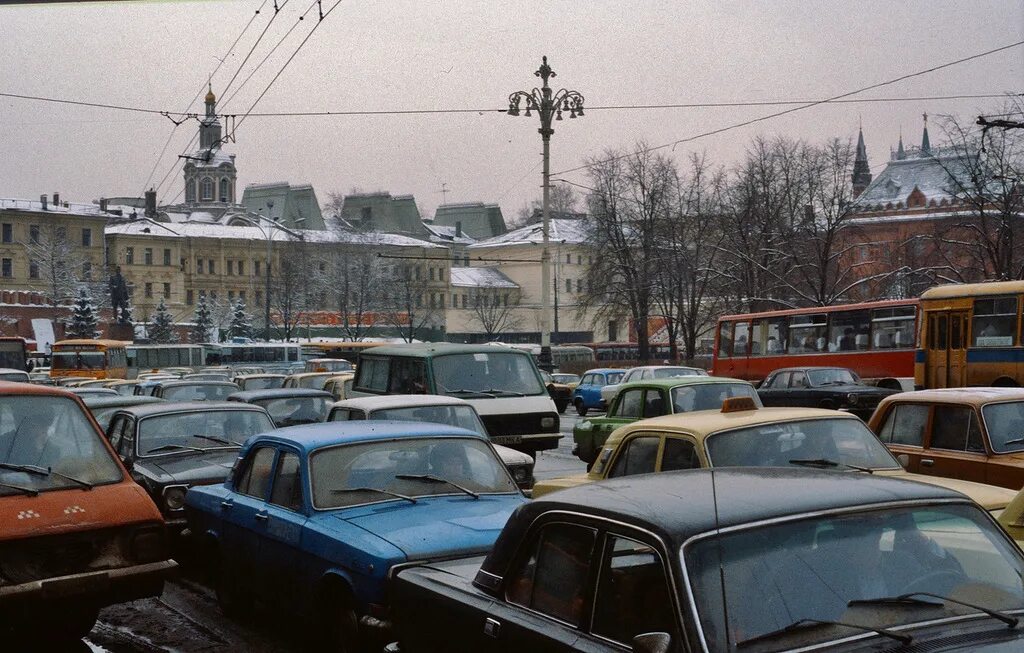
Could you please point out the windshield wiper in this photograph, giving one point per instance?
(504, 392)
(825, 462)
(1014, 441)
(43, 471)
(464, 391)
(373, 489)
(908, 599)
(174, 447)
(436, 479)
(21, 488)
(802, 624)
(214, 438)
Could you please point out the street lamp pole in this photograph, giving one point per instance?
(548, 105)
(266, 294)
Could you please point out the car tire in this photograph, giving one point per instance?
(561, 406)
(340, 623)
(581, 408)
(233, 602)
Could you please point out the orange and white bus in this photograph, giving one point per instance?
(100, 359)
(875, 339)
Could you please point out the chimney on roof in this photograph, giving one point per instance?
(56, 198)
(150, 203)
(42, 200)
(458, 229)
(103, 205)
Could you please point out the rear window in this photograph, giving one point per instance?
(709, 396)
(47, 443)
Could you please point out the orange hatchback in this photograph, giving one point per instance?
(76, 533)
(975, 434)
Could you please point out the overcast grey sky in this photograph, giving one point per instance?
(458, 54)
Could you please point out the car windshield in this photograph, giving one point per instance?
(1005, 425)
(672, 372)
(709, 396)
(198, 392)
(831, 376)
(778, 574)
(21, 377)
(615, 377)
(566, 378)
(461, 416)
(173, 432)
(264, 383)
(315, 382)
(289, 411)
(368, 472)
(77, 360)
(487, 373)
(826, 443)
(53, 442)
(103, 415)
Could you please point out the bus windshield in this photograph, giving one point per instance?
(78, 360)
(486, 374)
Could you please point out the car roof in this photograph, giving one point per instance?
(277, 393)
(261, 375)
(676, 381)
(107, 401)
(607, 370)
(314, 436)
(424, 349)
(805, 368)
(168, 407)
(8, 370)
(305, 375)
(177, 383)
(666, 367)
(678, 505)
(705, 422)
(972, 396)
(15, 388)
(399, 401)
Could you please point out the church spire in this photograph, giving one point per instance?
(900, 152)
(209, 128)
(926, 146)
(861, 169)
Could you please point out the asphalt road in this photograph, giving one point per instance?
(186, 619)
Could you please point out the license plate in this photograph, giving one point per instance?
(507, 439)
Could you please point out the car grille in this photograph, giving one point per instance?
(38, 558)
(525, 424)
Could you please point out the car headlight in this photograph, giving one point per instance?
(852, 398)
(520, 474)
(548, 422)
(174, 497)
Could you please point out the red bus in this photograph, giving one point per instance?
(876, 340)
(14, 353)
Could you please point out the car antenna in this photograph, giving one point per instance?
(721, 567)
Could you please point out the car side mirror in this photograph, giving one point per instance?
(904, 460)
(652, 643)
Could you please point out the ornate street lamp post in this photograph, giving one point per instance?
(547, 105)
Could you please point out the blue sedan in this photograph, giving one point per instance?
(587, 394)
(313, 518)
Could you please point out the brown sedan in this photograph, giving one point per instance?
(975, 434)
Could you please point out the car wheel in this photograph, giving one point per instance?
(561, 406)
(581, 408)
(340, 624)
(233, 601)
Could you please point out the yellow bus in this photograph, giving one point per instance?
(101, 359)
(970, 335)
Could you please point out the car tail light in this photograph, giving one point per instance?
(149, 544)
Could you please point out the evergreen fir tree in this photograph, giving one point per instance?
(161, 330)
(241, 323)
(83, 317)
(202, 322)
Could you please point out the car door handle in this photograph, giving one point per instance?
(224, 505)
(492, 627)
(262, 516)
(927, 462)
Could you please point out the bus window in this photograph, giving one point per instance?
(937, 331)
(740, 345)
(995, 322)
(768, 337)
(725, 339)
(892, 328)
(807, 333)
(848, 331)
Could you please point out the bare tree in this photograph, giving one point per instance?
(56, 261)
(495, 312)
(355, 280)
(562, 203)
(412, 302)
(289, 291)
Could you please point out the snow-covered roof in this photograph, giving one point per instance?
(208, 158)
(220, 231)
(931, 173)
(73, 208)
(480, 278)
(572, 232)
(446, 234)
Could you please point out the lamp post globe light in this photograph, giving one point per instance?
(548, 105)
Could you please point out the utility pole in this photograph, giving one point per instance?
(548, 105)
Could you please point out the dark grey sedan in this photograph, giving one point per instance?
(837, 388)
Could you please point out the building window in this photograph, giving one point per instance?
(189, 297)
(256, 268)
(568, 259)
(147, 256)
(440, 274)
(323, 267)
(579, 259)
(241, 268)
(129, 255)
(190, 191)
(431, 274)
(231, 266)
(231, 295)
(464, 301)
(579, 285)
(209, 266)
(167, 291)
(33, 233)
(33, 270)
(568, 285)
(8, 233)
(6, 267)
(167, 257)
(241, 294)
(149, 290)
(87, 270)
(417, 273)
(259, 298)
(466, 261)
(206, 189)
(225, 190)
(86, 237)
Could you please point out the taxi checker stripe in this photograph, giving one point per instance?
(70, 510)
(27, 514)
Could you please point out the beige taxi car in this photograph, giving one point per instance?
(742, 435)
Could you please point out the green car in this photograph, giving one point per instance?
(652, 398)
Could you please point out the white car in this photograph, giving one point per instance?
(437, 409)
(646, 372)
